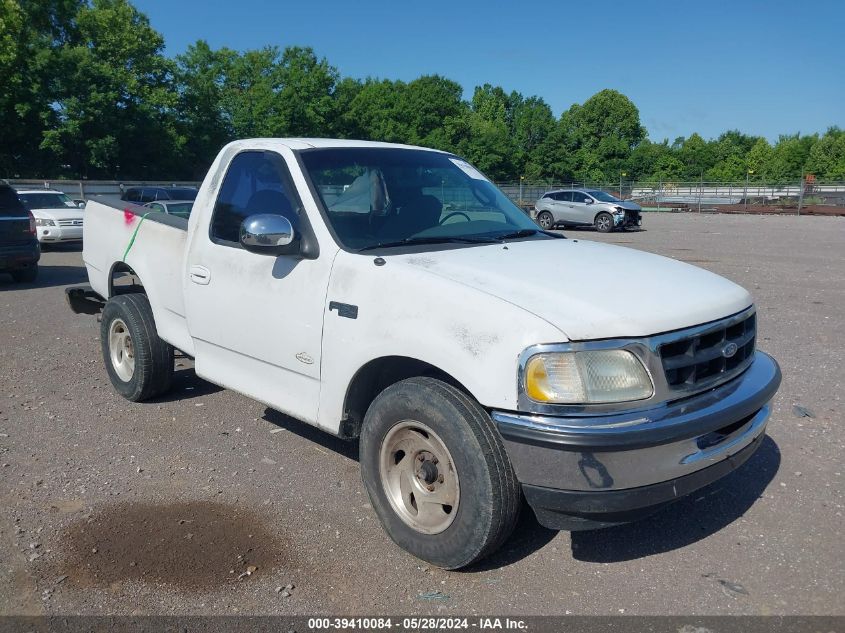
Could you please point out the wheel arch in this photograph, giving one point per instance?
(375, 376)
(122, 268)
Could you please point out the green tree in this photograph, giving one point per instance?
(113, 96)
(30, 35)
(789, 157)
(826, 158)
(200, 77)
(531, 123)
(482, 134)
(759, 160)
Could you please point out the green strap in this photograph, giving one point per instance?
(134, 234)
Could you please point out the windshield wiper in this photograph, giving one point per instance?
(517, 234)
(410, 241)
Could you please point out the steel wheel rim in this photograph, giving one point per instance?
(603, 222)
(121, 350)
(419, 478)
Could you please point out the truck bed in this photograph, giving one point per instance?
(119, 237)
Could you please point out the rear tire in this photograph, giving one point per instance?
(546, 221)
(604, 222)
(437, 473)
(138, 362)
(25, 275)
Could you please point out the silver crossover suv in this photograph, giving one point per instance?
(583, 207)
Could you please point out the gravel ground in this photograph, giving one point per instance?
(205, 502)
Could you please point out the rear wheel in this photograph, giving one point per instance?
(25, 275)
(437, 473)
(139, 363)
(545, 220)
(604, 222)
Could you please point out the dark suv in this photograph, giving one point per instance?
(19, 250)
(143, 195)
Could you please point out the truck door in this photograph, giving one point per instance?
(256, 319)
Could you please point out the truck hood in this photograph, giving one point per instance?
(58, 214)
(589, 290)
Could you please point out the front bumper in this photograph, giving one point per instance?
(580, 473)
(628, 219)
(59, 233)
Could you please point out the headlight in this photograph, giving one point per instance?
(620, 211)
(44, 222)
(588, 377)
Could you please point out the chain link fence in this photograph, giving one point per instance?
(802, 196)
(807, 194)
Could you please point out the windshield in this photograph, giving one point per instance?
(394, 196)
(182, 209)
(601, 196)
(46, 201)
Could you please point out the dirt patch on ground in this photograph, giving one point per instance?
(189, 545)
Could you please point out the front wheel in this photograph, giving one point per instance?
(138, 362)
(604, 222)
(437, 473)
(545, 220)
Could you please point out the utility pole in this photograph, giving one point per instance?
(700, 188)
(801, 193)
(748, 172)
(659, 194)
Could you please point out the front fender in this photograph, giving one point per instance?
(403, 310)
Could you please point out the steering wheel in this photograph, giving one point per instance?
(453, 214)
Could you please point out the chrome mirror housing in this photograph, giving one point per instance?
(269, 234)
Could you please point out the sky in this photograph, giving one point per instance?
(765, 68)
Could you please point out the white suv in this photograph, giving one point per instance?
(57, 217)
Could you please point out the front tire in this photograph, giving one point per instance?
(546, 221)
(138, 362)
(604, 222)
(437, 473)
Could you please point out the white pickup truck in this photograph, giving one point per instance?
(393, 294)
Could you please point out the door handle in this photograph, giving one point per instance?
(200, 275)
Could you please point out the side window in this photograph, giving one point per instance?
(10, 206)
(131, 195)
(577, 196)
(255, 182)
(564, 196)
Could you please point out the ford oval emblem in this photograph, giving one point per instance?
(729, 350)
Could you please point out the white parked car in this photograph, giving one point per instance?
(394, 295)
(58, 218)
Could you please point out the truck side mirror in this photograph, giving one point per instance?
(269, 234)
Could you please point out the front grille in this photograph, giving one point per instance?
(70, 222)
(709, 355)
